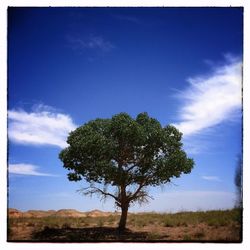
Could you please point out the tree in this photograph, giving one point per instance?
(238, 182)
(126, 154)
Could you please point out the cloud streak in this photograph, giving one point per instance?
(26, 169)
(210, 178)
(211, 99)
(128, 18)
(41, 127)
(91, 43)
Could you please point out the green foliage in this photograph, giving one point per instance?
(125, 150)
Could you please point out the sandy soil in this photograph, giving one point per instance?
(200, 232)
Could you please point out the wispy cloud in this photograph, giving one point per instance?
(91, 43)
(43, 126)
(210, 178)
(26, 169)
(211, 99)
(128, 18)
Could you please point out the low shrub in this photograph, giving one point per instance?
(187, 237)
(199, 235)
(100, 222)
(66, 226)
(168, 223)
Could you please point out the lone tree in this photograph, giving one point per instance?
(128, 155)
(238, 182)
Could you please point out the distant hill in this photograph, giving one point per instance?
(15, 213)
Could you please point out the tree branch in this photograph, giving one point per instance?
(132, 197)
(141, 197)
(141, 185)
(127, 170)
(105, 193)
(91, 190)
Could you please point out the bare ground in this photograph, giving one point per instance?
(201, 232)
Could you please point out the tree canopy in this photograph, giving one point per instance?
(129, 154)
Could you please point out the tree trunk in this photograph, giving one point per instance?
(123, 219)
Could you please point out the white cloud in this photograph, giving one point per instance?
(211, 99)
(43, 126)
(26, 169)
(210, 178)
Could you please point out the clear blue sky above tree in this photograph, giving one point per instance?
(67, 66)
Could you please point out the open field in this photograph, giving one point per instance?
(97, 226)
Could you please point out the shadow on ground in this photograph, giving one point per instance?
(91, 234)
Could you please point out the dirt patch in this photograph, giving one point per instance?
(91, 234)
(199, 232)
(212, 226)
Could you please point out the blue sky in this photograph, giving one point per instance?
(67, 66)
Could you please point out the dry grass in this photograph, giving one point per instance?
(210, 226)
